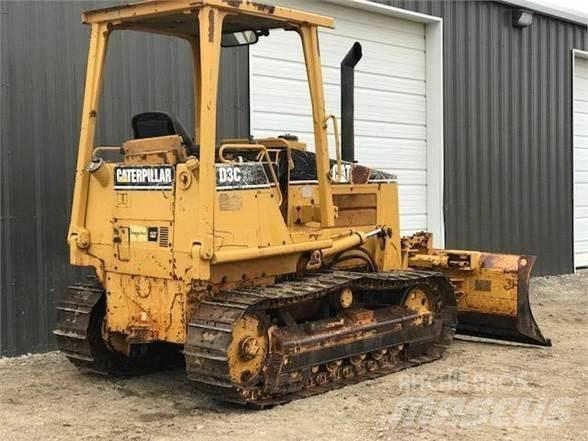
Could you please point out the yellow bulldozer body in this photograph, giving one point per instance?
(168, 231)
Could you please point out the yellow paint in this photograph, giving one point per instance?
(145, 308)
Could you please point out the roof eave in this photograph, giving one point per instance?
(560, 14)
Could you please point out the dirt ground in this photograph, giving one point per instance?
(479, 391)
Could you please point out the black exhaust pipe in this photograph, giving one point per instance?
(348, 102)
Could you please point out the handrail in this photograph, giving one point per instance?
(262, 149)
(105, 149)
(337, 145)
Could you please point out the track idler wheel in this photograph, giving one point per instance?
(248, 350)
(420, 300)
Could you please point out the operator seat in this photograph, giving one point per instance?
(154, 124)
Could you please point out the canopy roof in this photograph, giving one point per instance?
(176, 17)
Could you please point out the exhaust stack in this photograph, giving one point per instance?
(348, 102)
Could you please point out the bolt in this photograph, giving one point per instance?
(249, 348)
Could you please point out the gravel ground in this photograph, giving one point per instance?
(479, 391)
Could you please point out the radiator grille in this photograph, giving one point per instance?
(164, 237)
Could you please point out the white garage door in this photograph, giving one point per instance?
(581, 161)
(390, 109)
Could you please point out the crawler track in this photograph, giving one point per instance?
(305, 359)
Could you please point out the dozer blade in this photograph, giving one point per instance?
(492, 289)
(494, 302)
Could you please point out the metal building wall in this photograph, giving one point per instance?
(508, 122)
(42, 62)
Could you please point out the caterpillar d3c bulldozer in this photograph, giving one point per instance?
(271, 271)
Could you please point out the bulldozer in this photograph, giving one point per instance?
(270, 271)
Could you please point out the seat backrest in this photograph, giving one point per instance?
(155, 124)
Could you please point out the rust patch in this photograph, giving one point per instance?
(270, 9)
(262, 7)
(505, 262)
(483, 285)
(234, 3)
(360, 174)
(211, 25)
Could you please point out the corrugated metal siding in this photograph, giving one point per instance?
(43, 60)
(508, 128)
(3, 167)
